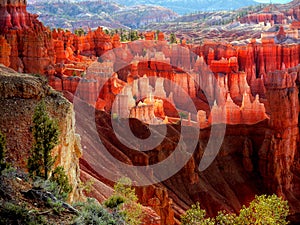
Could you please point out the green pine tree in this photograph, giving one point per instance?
(45, 134)
(173, 38)
(133, 35)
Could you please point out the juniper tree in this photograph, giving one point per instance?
(45, 133)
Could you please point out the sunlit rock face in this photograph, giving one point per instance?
(31, 47)
(14, 15)
(19, 95)
(5, 52)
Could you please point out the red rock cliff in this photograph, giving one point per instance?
(277, 154)
(30, 42)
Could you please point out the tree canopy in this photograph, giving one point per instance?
(45, 133)
(263, 210)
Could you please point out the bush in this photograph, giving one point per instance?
(266, 210)
(196, 216)
(11, 173)
(60, 178)
(132, 213)
(93, 213)
(226, 219)
(87, 185)
(57, 207)
(124, 201)
(50, 186)
(124, 188)
(183, 115)
(3, 163)
(114, 201)
(15, 214)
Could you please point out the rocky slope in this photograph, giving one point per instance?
(184, 7)
(236, 26)
(72, 15)
(263, 157)
(253, 159)
(18, 96)
(227, 184)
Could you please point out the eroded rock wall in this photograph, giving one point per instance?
(19, 95)
(277, 154)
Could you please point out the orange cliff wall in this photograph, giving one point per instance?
(256, 60)
(14, 15)
(271, 14)
(264, 17)
(245, 68)
(252, 159)
(5, 51)
(94, 43)
(28, 46)
(30, 42)
(249, 69)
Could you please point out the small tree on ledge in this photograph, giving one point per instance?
(45, 134)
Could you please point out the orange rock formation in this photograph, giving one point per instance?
(244, 84)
